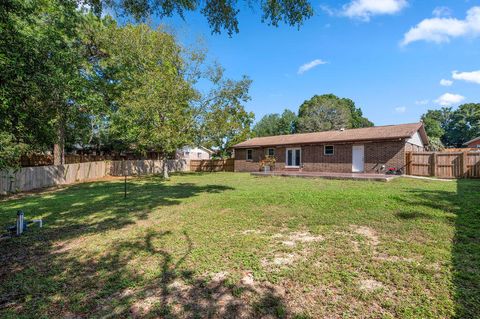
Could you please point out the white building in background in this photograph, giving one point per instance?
(194, 153)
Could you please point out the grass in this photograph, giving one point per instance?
(233, 245)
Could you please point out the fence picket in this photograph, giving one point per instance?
(444, 164)
(29, 178)
(212, 165)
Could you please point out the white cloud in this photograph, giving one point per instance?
(310, 65)
(444, 82)
(364, 9)
(448, 99)
(400, 109)
(442, 12)
(422, 102)
(442, 29)
(473, 76)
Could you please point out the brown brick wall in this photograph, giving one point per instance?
(241, 163)
(390, 154)
(314, 160)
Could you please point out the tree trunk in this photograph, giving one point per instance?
(165, 168)
(59, 147)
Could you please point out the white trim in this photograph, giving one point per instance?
(293, 152)
(325, 150)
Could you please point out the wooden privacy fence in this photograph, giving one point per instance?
(443, 164)
(212, 165)
(29, 178)
(145, 167)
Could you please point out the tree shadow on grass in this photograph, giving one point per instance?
(38, 278)
(108, 287)
(465, 204)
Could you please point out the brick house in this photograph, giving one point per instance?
(369, 150)
(474, 143)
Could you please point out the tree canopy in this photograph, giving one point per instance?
(329, 112)
(73, 79)
(452, 128)
(276, 124)
(220, 14)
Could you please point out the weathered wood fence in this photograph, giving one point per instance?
(212, 165)
(443, 164)
(29, 178)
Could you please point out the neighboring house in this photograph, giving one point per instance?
(371, 150)
(475, 143)
(194, 153)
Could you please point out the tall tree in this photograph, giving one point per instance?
(223, 120)
(436, 123)
(452, 128)
(220, 14)
(464, 124)
(276, 124)
(151, 98)
(328, 112)
(40, 58)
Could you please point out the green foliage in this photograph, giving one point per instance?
(223, 120)
(328, 112)
(142, 71)
(43, 93)
(452, 127)
(276, 124)
(220, 14)
(10, 151)
(71, 78)
(464, 124)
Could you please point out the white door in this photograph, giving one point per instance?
(358, 158)
(293, 157)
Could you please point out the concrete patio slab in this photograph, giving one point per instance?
(328, 175)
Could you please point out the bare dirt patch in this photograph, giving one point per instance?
(186, 299)
(291, 239)
(251, 231)
(366, 232)
(386, 257)
(370, 285)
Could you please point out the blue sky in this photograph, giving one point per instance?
(363, 50)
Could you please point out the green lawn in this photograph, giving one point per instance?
(232, 245)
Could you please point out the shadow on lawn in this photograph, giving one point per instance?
(176, 293)
(40, 279)
(465, 204)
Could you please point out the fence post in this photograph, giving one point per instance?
(464, 171)
(409, 163)
(433, 168)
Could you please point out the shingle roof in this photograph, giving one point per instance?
(472, 140)
(388, 132)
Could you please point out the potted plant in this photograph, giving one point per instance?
(267, 164)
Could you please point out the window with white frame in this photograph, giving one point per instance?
(249, 155)
(328, 150)
(270, 152)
